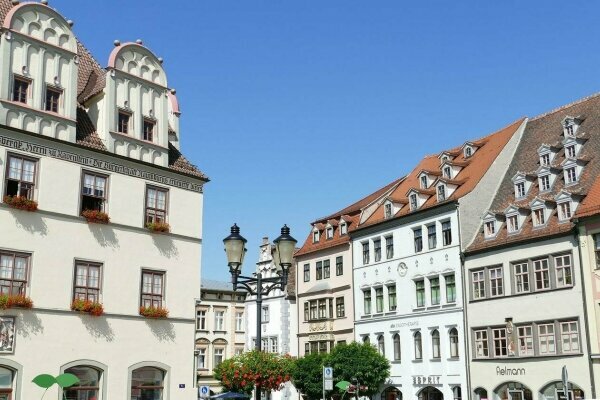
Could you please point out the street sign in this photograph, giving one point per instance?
(327, 379)
(329, 384)
(204, 392)
(327, 373)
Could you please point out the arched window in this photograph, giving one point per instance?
(6, 383)
(453, 342)
(381, 345)
(457, 393)
(397, 353)
(435, 343)
(366, 339)
(430, 393)
(418, 346)
(480, 394)
(147, 383)
(88, 386)
(391, 393)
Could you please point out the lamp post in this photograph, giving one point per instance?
(235, 247)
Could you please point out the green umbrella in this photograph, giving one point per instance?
(342, 385)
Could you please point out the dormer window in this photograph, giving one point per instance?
(545, 159)
(148, 130)
(413, 202)
(20, 89)
(490, 228)
(544, 183)
(569, 131)
(343, 229)
(316, 236)
(52, 98)
(570, 175)
(123, 122)
(468, 151)
(570, 126)
(329, 232)
(539, 217)
(570, 151)
(441, 193)
(520, 190)
(564, 211)
(447, 172)
(512, 223)
(388, 210)
(423, 182)
(445, 158)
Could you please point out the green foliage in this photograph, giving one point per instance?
(242, 372)
(308, 375)
(44, 381)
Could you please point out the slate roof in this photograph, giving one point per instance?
(547, 129)
(217, 286)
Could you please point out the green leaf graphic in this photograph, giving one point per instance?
(44, 381)
(66, 380)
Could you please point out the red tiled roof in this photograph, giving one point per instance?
(591, 204)
(474, 169)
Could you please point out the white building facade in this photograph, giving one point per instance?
(58, 112)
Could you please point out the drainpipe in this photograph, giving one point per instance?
(585, 313)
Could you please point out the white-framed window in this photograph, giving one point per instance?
(478, 278)
(500, 343)
(316, 236)
(367, 301)
(570, 337)
(544, 183)
(274, 344)
(381, 345)
(434, 287)
(219, 320)
(450, 281)
(570, 151)
(447, 233)
(420, 292)
(379, 299)
(388, 210)
(365, 253)
(418, 239)
(424, 182)
(377, 249)
(570, 175)
(392, 303)
(564, 270)
(201, 320)
(447, 172)
(481, 343)
(441, 193)
(239, 321)
(468, 151)
(265, 314)
(219, 356)
(201, 358)
(418, 346)
(490, 228)
(545, 159)
(435, 344)
(520, 190)
(525, 340)
(397, 349)
(564, 210)
(496, 282)
(413, 202)
(453, 336)
(546, 339)
(542, 274)
(329, 232)
(522, 277)
(512, 223)
(343, 228)
(431, 236)
(539, 217)
(570, 130)
(389, 247)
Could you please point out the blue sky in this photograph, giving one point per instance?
(296, 109)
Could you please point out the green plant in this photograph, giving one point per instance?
(154, 312)
(46, 381)
(15, 300)
(91, 307)
(21, 203)
(158, 227)
(96, 216)
(308, 375)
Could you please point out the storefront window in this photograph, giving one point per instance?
(430, 393)
(147, 384)
(513, 391)
(481, 394)
(88, 386)
(391, 393)
(556, 391)
(6, 382)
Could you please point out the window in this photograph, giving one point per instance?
(450, 288)
(323, 347)
(513, 223)
(274, 345)
(545, 159)
(423, 182)
(20, 180)
(420, 289)
(447, 173)
(366, 339)
(238, 351)
(431, 237)
(418, 239)
(379, 299)
(343, 228)
(457, 393)
(564, 271)
(520, 189)
(201, 359)
(339, 265)
(397, 350)
(322, 304)
(219, 357)
(392, 297)
(13, 273)
(123, 122)
(93, 192)
(525, 340)
(597, 249)
(570, 175)
(306, 312)
(201, 320)
(340, 309)
(453, 334)
(319, 269)
(545, 183)
(388, 210)
(87, 282)
(546, 339)
(542, 275)
(52, 99)
(413, 202)
(481, 344)
(315, 236)
(570, 337)
(569, 130)
(148, 383)
(564, 210)
(522, 277)
(434, 285)
(306, 348)
(367, 300)
(239, 321)
(478, 278)
(389, 247)
(87, 387)
(220, 320)
(490, 228)
(468, 152)
(418, 346)
(499, 337)
(435, 343)
(313, 310)
(377, 249)
(570, 151)
(156, 204)
(539, 217)
(329, 232)
(447, 233)
(265, 314)
(381, 345)
(441, 193)
(20, 89)
(306, 272)
(496, 283)
(148, 130)
(326, 269)
(152, 289)
(365, 251)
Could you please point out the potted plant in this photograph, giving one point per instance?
(96, 217)
(21, 203)
(162, 227)
(154, 312)
(86, 306)
(15, 301)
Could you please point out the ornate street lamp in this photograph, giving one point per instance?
(258, 286)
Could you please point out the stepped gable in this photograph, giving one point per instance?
(545, 129)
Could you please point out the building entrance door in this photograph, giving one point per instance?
(431, 393)
(516, 395)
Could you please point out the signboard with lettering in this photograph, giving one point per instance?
(426, 380)
(327, 378)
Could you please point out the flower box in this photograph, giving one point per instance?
(21, 203)
(158, 227)
(96, 217)
(85, 306)
(154, 312)
(15, 301)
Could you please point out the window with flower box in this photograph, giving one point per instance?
(152, 294)
(93, 192)
(14, 268)
(87, 281)
(156, 204)
(20, 177)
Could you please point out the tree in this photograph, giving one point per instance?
(308, 375)
(243, 372)
(361, 361)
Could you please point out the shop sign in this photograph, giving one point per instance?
(509, 371)
(404, 324)
(426, 380)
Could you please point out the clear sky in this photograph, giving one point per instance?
(296, 109)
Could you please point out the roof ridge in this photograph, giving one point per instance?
(89, 53)
(573, 103)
